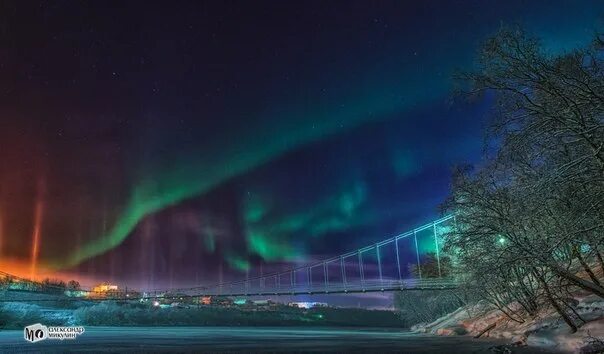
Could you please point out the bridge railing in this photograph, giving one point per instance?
(355, 287)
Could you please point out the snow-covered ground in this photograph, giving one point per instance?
(17, 314)
(547, 330)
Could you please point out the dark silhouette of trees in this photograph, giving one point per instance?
(73, 285)
(53, 286)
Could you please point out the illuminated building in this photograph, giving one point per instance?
(104, 287)
(306, 304)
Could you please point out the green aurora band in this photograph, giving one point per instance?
(269, 232)
(392, 87)
(192, 177)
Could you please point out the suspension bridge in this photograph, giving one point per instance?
(412, 260)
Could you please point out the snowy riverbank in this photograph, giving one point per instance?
(546, 330)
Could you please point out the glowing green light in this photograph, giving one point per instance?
(173, 180)
(270, 247)
(237, 262)
(271, 227)
(365, 94)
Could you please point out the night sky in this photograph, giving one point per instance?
(168, 143)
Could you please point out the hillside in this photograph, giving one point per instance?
(546, 330)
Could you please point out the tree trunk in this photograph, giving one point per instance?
(586, 266)
(600, 260)
(489, 327)
(578, 281)
(561, 312)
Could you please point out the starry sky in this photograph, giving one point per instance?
(185, 142)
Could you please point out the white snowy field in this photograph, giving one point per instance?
(547, 331)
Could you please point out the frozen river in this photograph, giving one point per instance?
(251, 339)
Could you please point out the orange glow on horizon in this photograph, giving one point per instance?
(22, 268)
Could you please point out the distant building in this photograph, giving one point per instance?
(240, 302)
(215, 301)
(104, 287)
(76, 293)
(223, 301)
(104, 290)
(264, 305)
(307, 305)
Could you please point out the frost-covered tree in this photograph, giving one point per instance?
(530, 219)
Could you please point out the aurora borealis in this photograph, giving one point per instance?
(186, 139)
